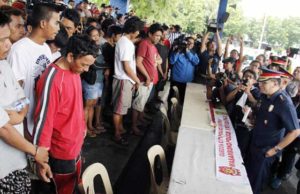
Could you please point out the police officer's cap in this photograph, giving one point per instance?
(285, 73)
(268, 74)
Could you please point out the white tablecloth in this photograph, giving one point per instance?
(194, 170)
(195, 108)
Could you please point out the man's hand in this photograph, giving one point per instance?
(148, 81)
(84, 133)
(229, 40)
(158, 60)
(271, 152)
(241, 39)
(210, 61)
(137, 85)
(165, 76)
(44, 172)
(106, 73)
(41, 155)
(15, 117)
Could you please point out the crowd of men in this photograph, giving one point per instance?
(61, 65)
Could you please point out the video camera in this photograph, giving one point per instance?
(179, 44)
(245, 82)
(213, 25)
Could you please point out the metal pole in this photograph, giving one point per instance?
(221, 12)
(262, 31)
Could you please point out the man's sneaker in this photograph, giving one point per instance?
(286, 176)
(276, 182)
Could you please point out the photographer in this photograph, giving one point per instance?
(234, 53)
(209, 50)
(224, 82)
(244, 95)
(183, 62)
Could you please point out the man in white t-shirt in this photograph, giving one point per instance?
(13, 177)
(125, 78)
(30, 56)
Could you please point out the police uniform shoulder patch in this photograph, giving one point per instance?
(282, 98)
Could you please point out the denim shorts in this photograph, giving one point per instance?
(91, 92)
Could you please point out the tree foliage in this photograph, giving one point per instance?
(192, 16)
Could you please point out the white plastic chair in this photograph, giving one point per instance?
(89, 175)
(154, 151)
(174, 120)
(176, 92)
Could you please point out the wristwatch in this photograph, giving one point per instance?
(277, 149)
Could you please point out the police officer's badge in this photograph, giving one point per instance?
(271, 107)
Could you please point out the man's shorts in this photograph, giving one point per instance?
(143, 94)
(122, 96)
(92, 92)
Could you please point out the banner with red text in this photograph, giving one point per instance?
(229, 162)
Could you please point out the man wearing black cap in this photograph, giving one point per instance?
(276, 115)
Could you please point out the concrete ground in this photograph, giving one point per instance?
(288, 187)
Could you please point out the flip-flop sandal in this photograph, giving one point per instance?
(122, 141)
(91, 133)
(101, 129)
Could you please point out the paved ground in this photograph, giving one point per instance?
(287, 187)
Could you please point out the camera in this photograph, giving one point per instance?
(220, 79)
(180, 44)
(212, 26)
(245, 82)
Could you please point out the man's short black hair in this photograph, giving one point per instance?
(106, 23)
(154, 28)
(90, 20)
(61, 38)
(263, 56)
(133, 24)
(119, 16)
(177, 28)
(73, 15)
(43, 11)
(114, 30)
(89, 29)
(81, 45)
(9, 10)
(165, 27)
(252, 72)
(4, 19)
(255, 61)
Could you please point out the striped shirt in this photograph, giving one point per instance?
(173, 36)
(59, 116)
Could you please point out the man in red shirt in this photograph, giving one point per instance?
(147, 61)
(59, 117)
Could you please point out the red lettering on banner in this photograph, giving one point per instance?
(229, 149)
(220, 139)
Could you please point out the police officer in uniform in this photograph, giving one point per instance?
(276, 114)
(283, 170)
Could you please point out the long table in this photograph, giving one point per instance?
(194, 170)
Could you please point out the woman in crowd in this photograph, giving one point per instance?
(92, 89)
